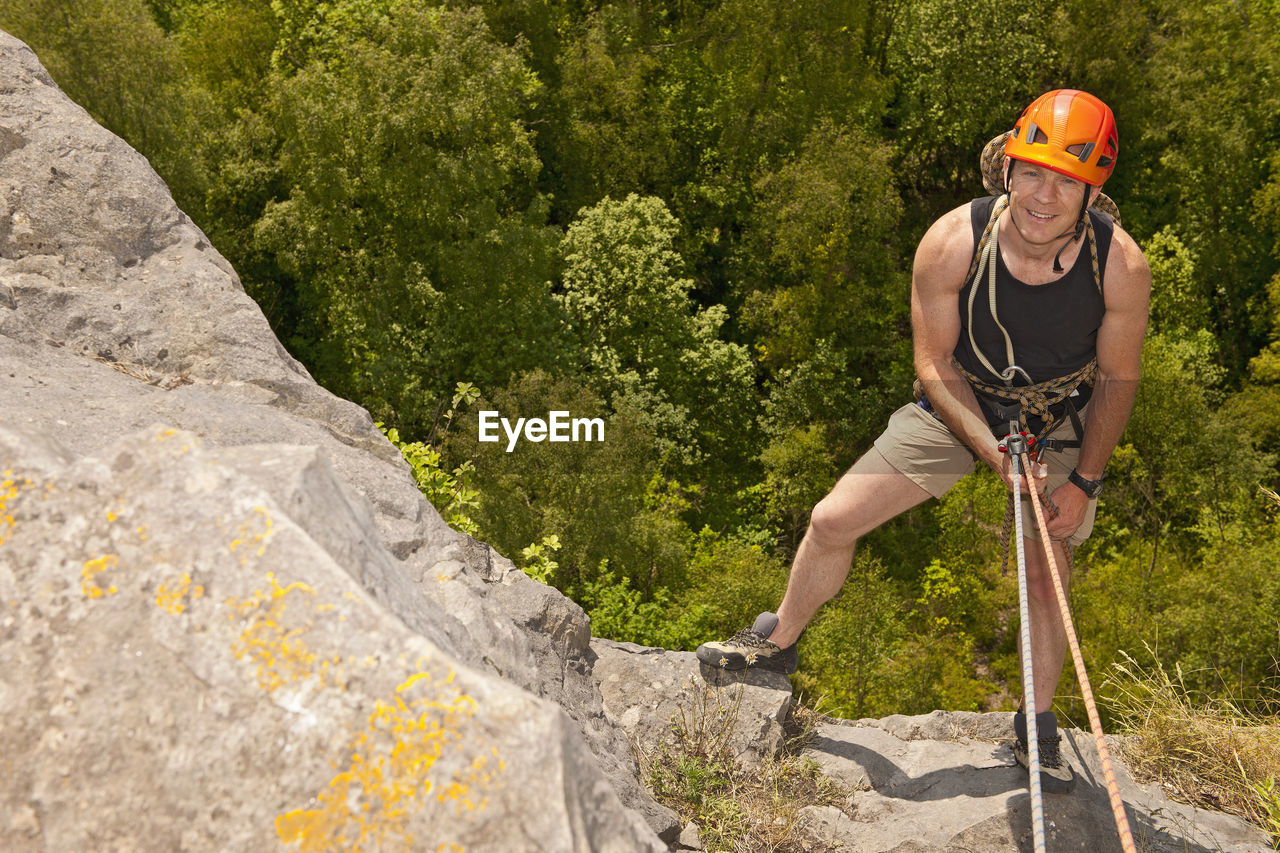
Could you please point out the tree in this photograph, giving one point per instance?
(412, 224)
(825, 298)
(964, 72)
(644, 341)
(850, 647)
(589, 494)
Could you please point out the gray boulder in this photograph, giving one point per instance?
(948, 782)
(659, 696)
(191, 663)
(116, 314)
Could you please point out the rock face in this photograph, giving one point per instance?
(190, 664)
(948, 782)
(156, 434)
(657, 696)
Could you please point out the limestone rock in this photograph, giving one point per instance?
(939, 782)
(654, 693)
(690, 837)
(193, 662)
(116, 314)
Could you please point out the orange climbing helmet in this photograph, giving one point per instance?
(1069, 131)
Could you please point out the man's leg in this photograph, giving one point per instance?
(869, 494)
(915, 458)
(1048, 654)
(1048, 636)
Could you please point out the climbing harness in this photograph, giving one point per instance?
(1018, 445)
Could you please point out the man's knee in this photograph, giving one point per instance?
(831, 524)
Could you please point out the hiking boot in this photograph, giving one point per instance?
(1055, 773)
(750, 647)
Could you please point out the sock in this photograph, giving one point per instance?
(765, 623)
(1046, 725)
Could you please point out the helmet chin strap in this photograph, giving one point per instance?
(1075, 233)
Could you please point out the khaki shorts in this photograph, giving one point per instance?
(922, 448)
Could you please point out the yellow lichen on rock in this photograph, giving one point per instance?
(271, 642)
(165, 434)
(256, 531)
(389, 779)
(89, 576)
(171, 597)
(9, 488)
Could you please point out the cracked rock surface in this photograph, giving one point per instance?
(947, 781)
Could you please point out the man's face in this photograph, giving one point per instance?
(1043, 203)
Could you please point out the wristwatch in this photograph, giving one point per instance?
(1091, 488)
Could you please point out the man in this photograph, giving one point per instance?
(1056, 326)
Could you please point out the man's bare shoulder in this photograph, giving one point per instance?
(1128, 276)
(944, 253)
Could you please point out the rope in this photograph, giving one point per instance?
(1036, 399)
(1005, 537)
(1029, 684)
(1095, 722)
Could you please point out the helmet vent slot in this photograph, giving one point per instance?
(1081, 150)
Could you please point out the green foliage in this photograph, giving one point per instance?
(824, 224)
(1265, 366)
(1184, 469)
(608, 119)
(735, 577)
(643, 339)
(537, 559)
(1176, 305)
(1212, 100)
(1268, 795)
(965, 70)
(589, 494)
(620, 612)
(798, 472)
(412, 228)
(850, 648)
(448, 491)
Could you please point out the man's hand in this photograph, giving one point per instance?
(1071, 503)
(1038, 470)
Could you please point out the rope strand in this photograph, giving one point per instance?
(1028, 684)
(1095, 722)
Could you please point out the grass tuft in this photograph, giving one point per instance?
(739, 810)
(1211, 754)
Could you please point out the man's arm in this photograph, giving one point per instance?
(1127, 290)
(937, 277)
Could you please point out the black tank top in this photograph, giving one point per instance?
(1053, 326)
